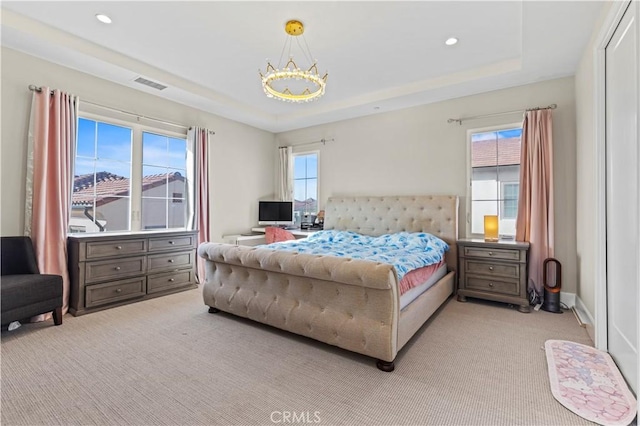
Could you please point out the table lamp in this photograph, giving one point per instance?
(491, 228)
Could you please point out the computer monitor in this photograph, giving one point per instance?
(275, 213)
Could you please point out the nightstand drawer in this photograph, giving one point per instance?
(491, 253)
(509, 270)
(494, 286)
(101, 294)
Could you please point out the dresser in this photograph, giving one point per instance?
(493, 271)
(108, 270)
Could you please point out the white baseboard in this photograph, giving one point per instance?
(569, 299)
(583, 312)
(586, 318)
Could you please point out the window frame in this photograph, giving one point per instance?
(301, 153)
(469, 201)
(138, 126)
(503, 208)
(170, 200)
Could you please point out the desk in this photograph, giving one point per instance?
(245, 240)
(298, 233)
(256, 237)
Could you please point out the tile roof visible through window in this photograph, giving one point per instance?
(484, 153)
(110, 186)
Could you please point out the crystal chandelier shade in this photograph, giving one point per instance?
(290, 83)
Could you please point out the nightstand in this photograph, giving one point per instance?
(493, 271)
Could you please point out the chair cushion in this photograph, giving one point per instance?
(29, 289)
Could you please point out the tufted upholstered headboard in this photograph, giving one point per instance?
(435, 214)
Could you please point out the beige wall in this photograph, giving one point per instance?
(585, 168)
(411, 151)
(241, 159)
(415, 151)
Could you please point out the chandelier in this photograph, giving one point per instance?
(292, 83)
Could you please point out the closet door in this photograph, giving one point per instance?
(622, 195)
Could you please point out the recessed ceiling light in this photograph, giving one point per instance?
(103, 18)
(451, 41)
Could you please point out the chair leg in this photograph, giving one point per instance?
(57, 316)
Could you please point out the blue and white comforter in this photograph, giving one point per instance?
(405, 251)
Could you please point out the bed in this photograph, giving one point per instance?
(350, 303)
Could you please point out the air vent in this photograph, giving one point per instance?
(150, 83)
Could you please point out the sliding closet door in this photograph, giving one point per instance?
(622, 195)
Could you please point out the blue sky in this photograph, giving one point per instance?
(107, 147)
(502, 134)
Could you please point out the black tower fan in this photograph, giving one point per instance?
(552, 292)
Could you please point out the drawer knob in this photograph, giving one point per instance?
(171, 260)
(490, 253)
(490, 284)
(117, 268)
(171, 242)
(491, 268)
(172, 280)
(118, 247)
(118, 290)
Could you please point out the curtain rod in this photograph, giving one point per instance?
(323, 141)
(460, 120)
(39, 89)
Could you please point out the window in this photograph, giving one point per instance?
(128, 177)
(495, 178)
(510, 200)
(305, 184)
(164, 171)
(101, 196)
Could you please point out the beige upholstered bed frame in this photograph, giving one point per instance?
(352, 304)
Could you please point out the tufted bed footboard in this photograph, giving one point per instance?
(352, 304)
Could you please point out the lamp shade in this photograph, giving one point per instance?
(491, 228)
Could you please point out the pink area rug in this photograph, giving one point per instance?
(587, 382)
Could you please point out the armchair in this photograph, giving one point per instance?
(24, 291)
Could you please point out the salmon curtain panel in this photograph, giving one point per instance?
(52, 134)
(198, 172)
(534, 222)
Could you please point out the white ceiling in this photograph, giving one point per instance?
(380, 56)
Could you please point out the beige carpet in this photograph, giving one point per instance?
(167, 361)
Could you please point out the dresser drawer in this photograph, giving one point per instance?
(163, 282)
(97, 250)
(509, 270)
(115, 268)
(167, 243)
(491, 253)
(171, 261)
(101, 294)
(493, 286)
